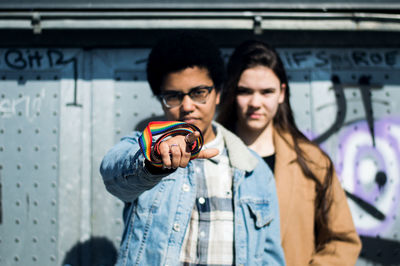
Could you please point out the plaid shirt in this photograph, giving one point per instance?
(209, 239)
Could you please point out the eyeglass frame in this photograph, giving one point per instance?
(183, 94)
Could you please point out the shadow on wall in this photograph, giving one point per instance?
(97, 251)
(378, 250)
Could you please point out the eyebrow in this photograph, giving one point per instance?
(263, 89)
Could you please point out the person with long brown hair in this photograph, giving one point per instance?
(316, 223)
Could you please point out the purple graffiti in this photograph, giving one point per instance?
(383, 189)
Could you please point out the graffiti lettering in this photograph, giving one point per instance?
(20, 60)
(337, 60)
(24, 106)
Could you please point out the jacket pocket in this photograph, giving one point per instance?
(260, 210)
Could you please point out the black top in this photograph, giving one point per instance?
(270, 160)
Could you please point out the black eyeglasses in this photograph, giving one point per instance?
(174, 98)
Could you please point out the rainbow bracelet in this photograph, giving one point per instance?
(167, 129)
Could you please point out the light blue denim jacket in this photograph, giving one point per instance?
(162, 204)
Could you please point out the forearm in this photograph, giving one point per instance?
(124, 172)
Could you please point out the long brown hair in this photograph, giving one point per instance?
(254, 53)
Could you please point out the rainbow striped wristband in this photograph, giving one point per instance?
(166, 129)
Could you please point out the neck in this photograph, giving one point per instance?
(261, 141)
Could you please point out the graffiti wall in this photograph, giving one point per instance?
(351, 109)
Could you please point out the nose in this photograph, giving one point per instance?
(255, 100)
(187, 104)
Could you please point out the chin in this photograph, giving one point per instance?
(256, 126)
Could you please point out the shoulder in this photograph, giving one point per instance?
(240, 156)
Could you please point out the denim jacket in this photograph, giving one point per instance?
(162, 204)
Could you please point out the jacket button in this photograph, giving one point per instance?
(177, 227)
(185, 187)
(202, 200)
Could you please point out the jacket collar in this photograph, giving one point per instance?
(239, 155)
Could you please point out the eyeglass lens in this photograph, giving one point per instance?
(198, 94)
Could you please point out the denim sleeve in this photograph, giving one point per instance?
(273, 246)
(123, 170)
(273, 243)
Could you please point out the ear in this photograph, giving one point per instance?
(282, 94)
(218, 97)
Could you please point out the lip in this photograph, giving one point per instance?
(189, 120)
(254, 115)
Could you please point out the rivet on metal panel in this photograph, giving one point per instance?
(35, 221)
(54, 113)
(37, 131)
(16, 240)
(36, 148)
(1, 148)
(16, 221)
(35, 203)
(54, 130)
(20, 95)
(38, 95)
(1, 131)
(52, 258)
(54, 148)
(118, 114)
(35, 185)
(54, 167)
(18, 166)
(135, 114)
(118, 131)
(34, 258)
(19, 149)
(34, 239)
(18, 185)
(38, 77)
(388, 111)
(135, 96)
(53, 239)
(18, 203)
(53, 185)
(53, 221)
(19, 113)
(36, 167)
(118, 222)
(117, 96)
(16, 258)
(355, 111)
(53, 203)
(387, 94)
(19, 131)
(37, 113)
(55, 95)
(1, 166)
